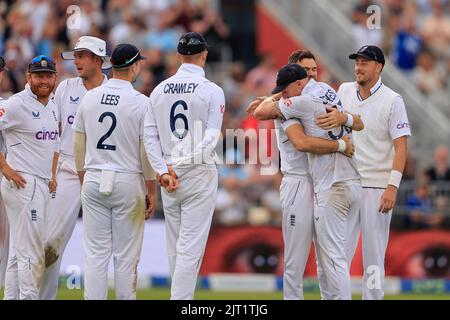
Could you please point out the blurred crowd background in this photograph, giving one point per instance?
(415, 36)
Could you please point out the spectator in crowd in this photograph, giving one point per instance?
(440, 171)
(436, 29)
(407, 44)
(427, 76)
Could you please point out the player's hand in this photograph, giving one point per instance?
(12, 175)
(332, 119)
(388, 199)
(169, 182)
(349, 147)
(52, 185)
(172, 173)
(150, 205)
(254, 104)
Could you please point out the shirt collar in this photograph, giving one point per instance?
(191, 68)
(30, 93)
(120, 83)
(375, 87)
(311, 83)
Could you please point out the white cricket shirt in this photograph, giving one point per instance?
(31, 134)
(183, 122)
(325, 169)
(68, 96)
(112, 117)
(293, 161)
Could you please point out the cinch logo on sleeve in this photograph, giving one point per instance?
(403, 125)
(47, 135)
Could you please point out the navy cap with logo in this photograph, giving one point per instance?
(288, 74)
(191, 43)
(370, 53)
(124, 55)
(42, 63)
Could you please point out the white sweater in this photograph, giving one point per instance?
(384, 117)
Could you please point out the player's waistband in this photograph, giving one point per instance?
(39, 178)
(296, 176)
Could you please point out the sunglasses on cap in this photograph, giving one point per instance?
(192, 42)
(42, 57)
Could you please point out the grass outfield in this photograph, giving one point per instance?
(163, 294)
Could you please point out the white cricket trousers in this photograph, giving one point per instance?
(374, 226)
(188, 215)
(4, 240)
(64, 207)
(113, 225)
(333, 210)
(27, 210)
(297, 203)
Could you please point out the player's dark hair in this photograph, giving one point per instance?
(299, 55)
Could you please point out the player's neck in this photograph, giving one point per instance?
(44, 100)
(94, 81)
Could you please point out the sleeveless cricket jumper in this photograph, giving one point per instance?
(385, 119)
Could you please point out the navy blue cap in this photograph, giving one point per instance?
(288, 74)
(124, 55)
(42, 63)
(191, 43)
(370, 53)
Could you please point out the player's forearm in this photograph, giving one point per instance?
(79, 150)
(267, 110)
(305, 143)
(398, 164)
(316, 145)
(151, 186)
(55, 164)
(147, 170)
(2, 161)
(400, 154)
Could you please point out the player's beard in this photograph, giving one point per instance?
(362, 80)
(42, 91)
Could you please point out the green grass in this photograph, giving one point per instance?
(164, 294)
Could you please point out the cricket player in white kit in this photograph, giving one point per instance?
(108, 145)
(182, 128)
(296, 189)
(335, 178)
(380, 157)
(30, 127)
(4, 225)
(89, 55)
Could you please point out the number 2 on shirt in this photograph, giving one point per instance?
(100, 144)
